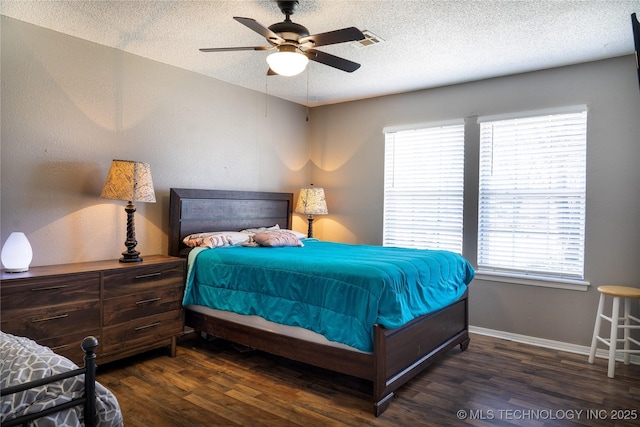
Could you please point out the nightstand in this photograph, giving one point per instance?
(129, 307)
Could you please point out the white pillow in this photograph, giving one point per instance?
(261, 229)
(217, 239)
(298, 234)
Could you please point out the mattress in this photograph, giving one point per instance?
(257, 322)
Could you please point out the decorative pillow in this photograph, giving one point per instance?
(298, 234)
(261, 229)
(237, 238)
(216, 239)
(277, 238)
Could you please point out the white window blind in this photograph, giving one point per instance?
(423, 188)
(532, 185)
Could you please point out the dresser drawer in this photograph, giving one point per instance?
(45, 291)
(133, 280)
(52, 321)
(69, 345)
(143, 304)
(143, 331)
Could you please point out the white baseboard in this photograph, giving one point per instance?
(555, 345)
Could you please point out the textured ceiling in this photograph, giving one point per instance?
(426, 43)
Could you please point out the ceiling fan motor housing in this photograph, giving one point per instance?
(289, 30)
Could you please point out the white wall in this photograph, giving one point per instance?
(70, 106)
(347, 151)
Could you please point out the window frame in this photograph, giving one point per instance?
(523, 277)
(390, 133)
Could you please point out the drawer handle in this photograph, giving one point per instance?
(45, 319)
(60, 347)
(152, 325)
(146, 276)
(147, 301)
(49, 288)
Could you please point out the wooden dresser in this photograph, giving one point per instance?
(129, 307)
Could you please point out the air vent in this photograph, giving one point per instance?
(369, 39)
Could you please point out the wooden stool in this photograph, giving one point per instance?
(617, 292)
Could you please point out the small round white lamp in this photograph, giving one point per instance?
(16, 253)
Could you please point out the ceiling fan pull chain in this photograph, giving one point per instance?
(308, 93)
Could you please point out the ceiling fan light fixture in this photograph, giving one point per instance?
(287, 61)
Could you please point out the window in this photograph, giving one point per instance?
(423, 187)
(532, 183)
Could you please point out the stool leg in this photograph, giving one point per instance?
(613, 337)
(596, 330)
(627, 323)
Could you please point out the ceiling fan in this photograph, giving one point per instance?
(293, 44)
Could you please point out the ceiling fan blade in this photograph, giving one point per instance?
(332, 37)
(270, 72)
(232, 49)
(260, 29)
(331, 60)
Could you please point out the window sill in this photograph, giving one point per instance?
(521, 279)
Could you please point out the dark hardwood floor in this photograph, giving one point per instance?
(493, 383)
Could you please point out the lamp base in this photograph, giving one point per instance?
(310, 228)
(127, 257)
(130, 255)
(16, 270)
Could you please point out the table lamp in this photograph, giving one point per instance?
(16, 253)
(311, 202)
(129, 181)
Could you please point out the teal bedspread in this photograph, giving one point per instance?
(335, 289)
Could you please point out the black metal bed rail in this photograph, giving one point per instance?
(88, 401)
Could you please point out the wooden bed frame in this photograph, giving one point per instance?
(88, 401)
(399, 354)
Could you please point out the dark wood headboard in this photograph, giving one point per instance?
(196, 211)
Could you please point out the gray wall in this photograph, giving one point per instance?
(347, 148)
(70, 106)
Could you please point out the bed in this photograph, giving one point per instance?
(396, 354)
(42, 388)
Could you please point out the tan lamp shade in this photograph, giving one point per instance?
(312, 202)
(130, 181)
